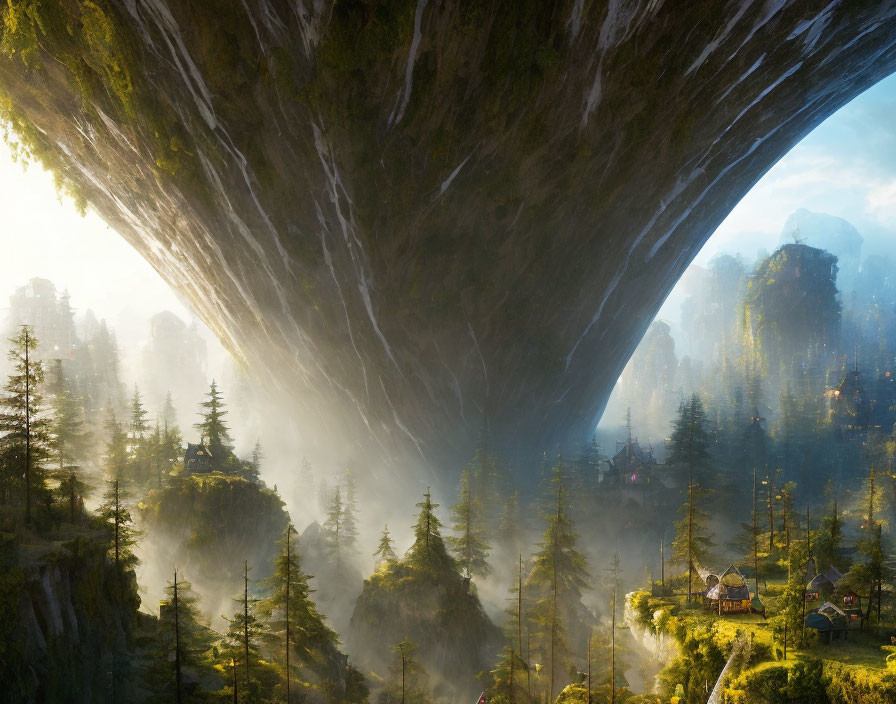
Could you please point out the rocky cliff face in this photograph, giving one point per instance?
(414, 215)
(68, 625)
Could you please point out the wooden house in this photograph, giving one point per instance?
(729, 595)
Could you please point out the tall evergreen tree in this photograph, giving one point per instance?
(252, 467)
(559, 574)
(692, 544)
(116, 459)
(183, 641)
(169, 414)
(294, 626)
(68, 441)
(867, 576)
(385, 552)
(245, 630)
(117, 520)
(24, 432)
(138, 415)
(213, 428)
(407, 682)
(155, 456)
(689, 451)
(349, 512)
(468, 544)
(335, 530)
(510, 675)
(428, 553)
(830, 537)
(690, 441)
(791, 604)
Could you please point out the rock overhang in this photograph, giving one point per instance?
(422, 219)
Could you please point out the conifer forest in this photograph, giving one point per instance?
(413, 352)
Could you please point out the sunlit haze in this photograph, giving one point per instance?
(43, 235)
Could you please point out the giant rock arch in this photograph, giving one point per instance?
(409, 217)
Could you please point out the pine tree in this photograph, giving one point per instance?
(691, 546)
(119, 525)
(138, 450)
(183, 641)
(510, 675)
(830, 537)
(428, 553)
(614, 572)
(690, 441)
(335, 530)
(69, 438)
(349, 512)
(24, 432)
(385, 552)
(407, 682)
(509, 679)
(169, 414)
(252, 468)
(689, 450)
(792, 602)
(138, 424)
(788, 520)
(245, 629)
(116, 459)
(868, 575)
(154, 455)
(559, 574)
(468, 543)
(68, 442)
(294, 626)
(213, 428)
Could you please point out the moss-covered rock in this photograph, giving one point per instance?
(209, 525)
(68, 620)
(439, 612)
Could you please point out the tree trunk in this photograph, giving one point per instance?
(286, 605)
(177, 674)
(246, 617)
(612, 650)
(27, 430)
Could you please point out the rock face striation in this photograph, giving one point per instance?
(414, 216)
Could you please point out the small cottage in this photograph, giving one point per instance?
(822, 585)
(730, 595)
(197, 459)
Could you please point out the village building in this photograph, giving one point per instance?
(631, 466)
(823, 584)
(197, 459)
(727, 593)
(830, 621)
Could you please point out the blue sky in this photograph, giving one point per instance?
(845, 167)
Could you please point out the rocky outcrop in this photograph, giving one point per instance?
(411, 216)
(71, 625)
(440, 613)
(335, 589)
